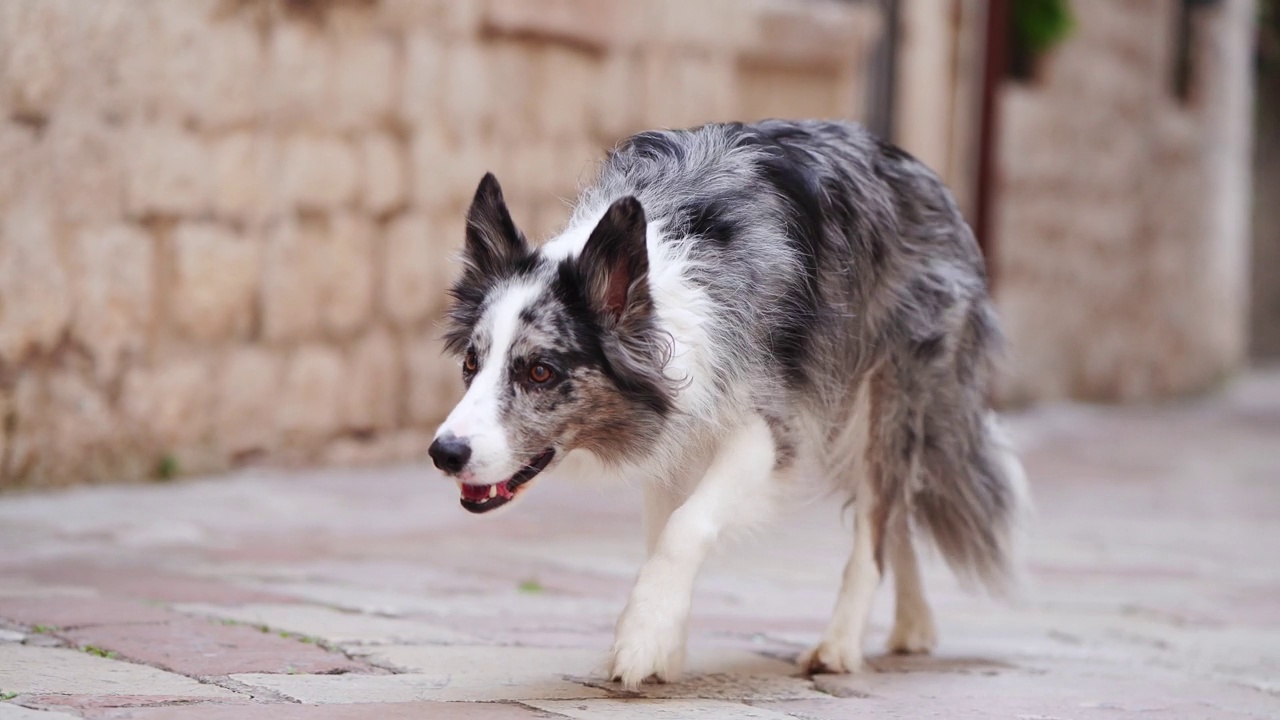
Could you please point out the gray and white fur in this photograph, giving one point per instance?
(738, 315)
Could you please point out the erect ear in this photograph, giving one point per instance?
(493, 242)
(614, 264)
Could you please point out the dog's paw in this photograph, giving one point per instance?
(913, 634)
(649, 645)
(832, 657)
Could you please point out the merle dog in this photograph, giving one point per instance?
(736, 314)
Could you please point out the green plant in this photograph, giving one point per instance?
(8, 695)
(100, 652)
(167, 468)
(44, 629)
(1039, 25)
(531, 586)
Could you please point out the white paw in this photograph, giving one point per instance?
(649, 643)
(833, 656)
(913, 633)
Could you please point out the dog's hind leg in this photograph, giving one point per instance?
(735, 491)
(913, 628)
(841, 647)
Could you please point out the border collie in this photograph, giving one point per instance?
(736, 314)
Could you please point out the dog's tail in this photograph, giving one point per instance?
(974, 509)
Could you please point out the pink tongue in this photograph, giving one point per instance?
(475, 493)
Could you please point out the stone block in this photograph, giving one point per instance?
(310, 399)
(826, 35)
(364, 82)
(703, 25)
(32, 66)
(168, 173)
(88, 168)
(687, 88)
(467, 99)
(35, 294)
(80, 428)
(424, 71)
(446, 173)
(446, 240)
(435, 381)
(592, 24)
(301, 72)
(28, 669)
(616, 109)
(344, 266)
(212, 71)
(248, 388)
(244, 165)
(438, 18)
(401, 446)
(371, 397)
(215, 277)
(171, 405)
(318, 172)
(409, 273)
(385, 181)
(113, 272)
(567, 92)
(514, 67)
(291, 283)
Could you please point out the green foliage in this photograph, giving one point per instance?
(44, 629)
(95, 650)
(1039, 25)
(167, 468)
(8, 695)
(531, 586)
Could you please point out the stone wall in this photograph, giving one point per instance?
(225, 225)
(1122, 225)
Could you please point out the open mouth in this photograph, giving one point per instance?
(483, 498)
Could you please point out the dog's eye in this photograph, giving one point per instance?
(539, 373)
(469, 363)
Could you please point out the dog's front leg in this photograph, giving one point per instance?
(734, 491)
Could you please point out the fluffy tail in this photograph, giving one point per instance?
(973, 507)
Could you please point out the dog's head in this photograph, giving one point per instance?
(556, 353)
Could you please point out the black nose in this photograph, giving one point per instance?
(450, 453)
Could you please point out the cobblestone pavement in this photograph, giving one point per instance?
(1153, 592)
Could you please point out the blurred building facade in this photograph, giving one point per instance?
(226, 225)
(1119, 236)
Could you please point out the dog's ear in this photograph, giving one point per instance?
(493, 242)
(614, 264)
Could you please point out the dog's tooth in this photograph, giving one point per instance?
(493, 491)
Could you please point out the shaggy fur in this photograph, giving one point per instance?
(735, 313)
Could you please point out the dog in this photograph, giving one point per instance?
(735, 313)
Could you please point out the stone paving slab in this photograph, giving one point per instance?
(355, 711)
(72, 612)
(642, 709)
(318, 689)
(26, 669)
(332, 626)
(9, 711)
(202, 648)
